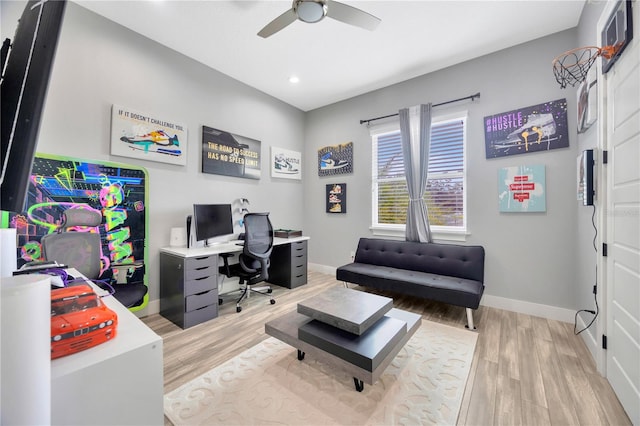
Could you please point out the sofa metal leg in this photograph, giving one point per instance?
(359, 384)
(470, 325)
(345, 284)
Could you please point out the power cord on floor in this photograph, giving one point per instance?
(595, 286)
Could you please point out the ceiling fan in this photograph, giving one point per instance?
(312, 11)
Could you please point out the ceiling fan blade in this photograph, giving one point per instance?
(350, 15)
(279, 23)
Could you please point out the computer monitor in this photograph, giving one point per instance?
(212, 220)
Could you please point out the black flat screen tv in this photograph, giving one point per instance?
(27, 61)
(212, 220)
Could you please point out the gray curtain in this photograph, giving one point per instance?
(415, 129)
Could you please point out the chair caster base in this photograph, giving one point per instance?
(238, 308)
(273, 302)
(270, 290)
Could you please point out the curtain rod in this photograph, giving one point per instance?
(472, 97)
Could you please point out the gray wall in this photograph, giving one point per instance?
(529, 256)
(99, 63)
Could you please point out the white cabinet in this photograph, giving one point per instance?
(119, 382)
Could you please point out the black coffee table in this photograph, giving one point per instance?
(354, 331)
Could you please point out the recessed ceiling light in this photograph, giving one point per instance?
(294, 79)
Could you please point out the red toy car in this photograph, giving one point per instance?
(79, 320)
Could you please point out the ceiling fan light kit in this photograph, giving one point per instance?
(312, 11)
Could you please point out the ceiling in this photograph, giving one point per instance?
(335, 61)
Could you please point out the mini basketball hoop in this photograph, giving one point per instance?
(572, 66)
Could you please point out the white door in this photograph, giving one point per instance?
(622, 133)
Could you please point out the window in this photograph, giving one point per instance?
(445, 195)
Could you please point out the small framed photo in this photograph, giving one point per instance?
(336, 199)
(286, 164)
(587, 101)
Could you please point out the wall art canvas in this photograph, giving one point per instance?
(228, 154)
(522, 189)
(532, 129)
(286, 164)
(147, 136)
(336, 199)
(335, 160)
(118, 191)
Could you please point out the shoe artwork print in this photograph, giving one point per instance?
(335, 159)
(155, 141)
(336, 208)
(327, 162)
(336, 198)
(282, 165)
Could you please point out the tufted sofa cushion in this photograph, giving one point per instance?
(447, 273)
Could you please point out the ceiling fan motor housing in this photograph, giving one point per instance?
(310, 11)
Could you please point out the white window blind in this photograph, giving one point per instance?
(445, 194)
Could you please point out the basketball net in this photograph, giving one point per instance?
(571, 67)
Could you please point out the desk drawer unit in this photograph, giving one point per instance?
(188, 289)
(289, 264)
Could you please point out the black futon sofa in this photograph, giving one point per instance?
(448, 273)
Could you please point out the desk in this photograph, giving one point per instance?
(119, 382)
(189, 277)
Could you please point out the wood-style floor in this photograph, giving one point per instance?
(526, 370)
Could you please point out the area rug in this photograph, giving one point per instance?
(267, 385)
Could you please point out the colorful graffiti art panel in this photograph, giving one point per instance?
(118, 191)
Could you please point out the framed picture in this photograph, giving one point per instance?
(286, 164)
(522, 189)
(617, 32)
(335, 160)
(336, 199)
(225, 153)
(541, 127)
(146, 136)
(587, 101)
(118, 191)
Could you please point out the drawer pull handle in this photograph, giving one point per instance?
(299, 276)
(203, 278)
(202, 258)
(200, 269)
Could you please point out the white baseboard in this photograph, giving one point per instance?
(323, 269)
(153, 307)
(528, 308)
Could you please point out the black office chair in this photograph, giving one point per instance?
(253, 263)
(82, 251)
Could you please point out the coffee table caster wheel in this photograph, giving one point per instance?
(300, 355)
(273, 302)
(238, 308)
(359, 384)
